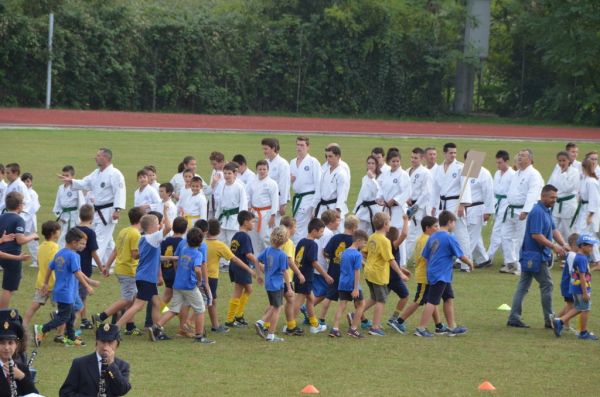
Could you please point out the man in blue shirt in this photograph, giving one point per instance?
(536, 257)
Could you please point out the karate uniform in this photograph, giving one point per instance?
(366, 206)
(147, 196)
(232, 200)
(212, 194)
(192, 207)
(3, 186)
(33, 245)
(502, 183)
(108, 189)
(306, 186)
(263, 198)
(563, 211)
(247, 177)
(420, 186)
(279, 171)
(30, 207)
(66, 207)
(482, 197)
(334, 189)
(589, 201)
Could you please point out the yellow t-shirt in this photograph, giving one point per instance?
(420, 262)
(46, 252)
(216, 250)
(379, 255)
(127, 241)
(290, 251)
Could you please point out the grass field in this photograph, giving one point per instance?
(518, 362)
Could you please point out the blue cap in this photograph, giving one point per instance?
(108, 333)
(586, 239)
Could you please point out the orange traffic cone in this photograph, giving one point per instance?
(310, 389)
(486, 386)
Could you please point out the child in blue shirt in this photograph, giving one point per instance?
(349, 285)
(440, 251)
(148, 274)
(185, 289)
(275, 263)
(565, 280)
(580, 289)
(67, 269)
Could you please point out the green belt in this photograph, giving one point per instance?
(512, 211)
(579, 204)
(228, 212)
(499, 197)
(297, 200)
(560, 201)
(67, 210)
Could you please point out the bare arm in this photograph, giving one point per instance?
(292, 265)
(396, 268)
(542, 240)
(82, 279)
(237, 261)
(23, 239)
(322, 272)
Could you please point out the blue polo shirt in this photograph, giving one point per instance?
(65, 264)
(539, 221)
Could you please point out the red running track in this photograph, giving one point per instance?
(165, 121)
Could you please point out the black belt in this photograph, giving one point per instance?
(367, 205)
(444, 199)
(475, 204)
(99, 208)
(324, 202)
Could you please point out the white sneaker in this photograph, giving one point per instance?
(505, 268)
(318, 329)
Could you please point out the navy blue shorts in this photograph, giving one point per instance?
(347, 296)
(238, 275)
(145, 290)
(439, 291)
(569, 299)
(285, 288)
(213, 283)
(319, 285)
(11, 276)
(169, 282)
(332, 289)
(399, 287)
(304, 289)
(421, 294)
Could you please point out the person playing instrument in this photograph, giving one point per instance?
(15, 379)
(100, 373)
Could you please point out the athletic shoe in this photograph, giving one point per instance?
(557, 325)
(59, 339)
(350, 317)
(241, 321)
(585, 335)
(354, 333)
(467, 270)
(76, 342)
(457, 331)
(396, 326)
(295, 331)
(423, 333)
(516, 324)
(366, 324)
(274, 339)
(443, 330)
(376, 332)
(134, 332)
(318, 329)
(304, 312)
(38, 335)
(335, 333)
(260, 330)
(153, 333)
(96, 320)
(232, 324)
(505, 269)
(485, 264)
(86, 324)
(220, 329)
(204, 340)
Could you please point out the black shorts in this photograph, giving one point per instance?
(169, 282)
(347, 296)
(213, 283)
(569, 299)
(438, 291)
(333, 294)
(11, 276)
(238, 275)
(399, 287)
(304, 289)
(275, 298)
(421, 294)
(145, 290)
(285, 288)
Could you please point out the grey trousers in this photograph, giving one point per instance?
(544, 279)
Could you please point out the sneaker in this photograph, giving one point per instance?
(232, 324)
(443, 330)
(38, 335)
(59, 339)
(304, 312)
(96, 320)
(335, 333)
(241, 321)
(274, 339)
(260, 330)
(76, 342)
(350, 317)
(557, 326)
(515, 271)
(86, 324)
(396, 326)
(204, 340)
(221, 329)
(376, 332)
(162, 336)
(318, 329)
(516, 324)
(505, 269)
(457, 331)
(423, 333)
(585, 335)
(485, 264)
(322, 322)
(134, 332)
(295, 331)
(466, 270)
(366, 324)
(354, 333)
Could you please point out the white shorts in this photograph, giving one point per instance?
(191, 297)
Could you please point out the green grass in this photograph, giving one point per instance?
(518, 362)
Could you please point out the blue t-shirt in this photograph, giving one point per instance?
(276, 262)
(91, 245)
(149, 263)
(10, 223)
(539, 221)
(351, 261)
(241, 245)
(168, 248)
(185, 276)
(580, 265)
(65, 264)
(565, 278)
(306, 253)
(334, 249)
(203, 250)
(440, 251)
